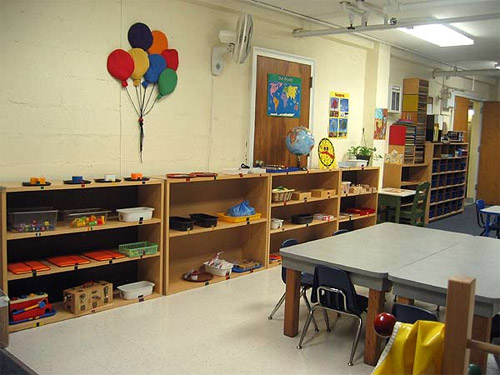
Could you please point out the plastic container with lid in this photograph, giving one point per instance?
(85, 217)
(135, 214)
(40, 219)
(139, 289)
(136, 249)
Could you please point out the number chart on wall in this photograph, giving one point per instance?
(338, 114)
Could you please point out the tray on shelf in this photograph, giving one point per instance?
(238, 219)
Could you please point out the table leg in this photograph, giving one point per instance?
(406, 301)
(372, 341)
(292, 301)
(487, 226)
(481, 330)
(398, 210)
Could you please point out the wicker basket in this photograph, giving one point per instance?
(282, 195)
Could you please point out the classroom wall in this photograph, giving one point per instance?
(404, 65)
(64, 115)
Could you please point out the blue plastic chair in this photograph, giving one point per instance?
(333, 290)
(306, 281)
(410, 314)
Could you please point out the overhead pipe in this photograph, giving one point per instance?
(465, 73)
(318, 21)
(395, 25)
(399, 6)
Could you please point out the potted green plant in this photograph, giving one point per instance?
(363, 153)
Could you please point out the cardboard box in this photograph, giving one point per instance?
(87, 297)
(301, 195)
(323, 193)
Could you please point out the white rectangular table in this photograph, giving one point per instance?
(427, 280)
(391, 197)
(368, 255)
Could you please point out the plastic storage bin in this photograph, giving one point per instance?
(135, 214)
(204, 220)
(180, 223)
(345, 187)
(136, 290)
(136, 249)
(302, 219)
(85, 217)
(218, 271)
(39, 219)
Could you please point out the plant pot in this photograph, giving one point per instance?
(362, 157)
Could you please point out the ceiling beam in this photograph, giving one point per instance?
(299, 33)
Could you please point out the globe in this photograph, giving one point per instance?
(300, 141)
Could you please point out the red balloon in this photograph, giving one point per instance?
(171, 56)
(384, 323)
(120, 65)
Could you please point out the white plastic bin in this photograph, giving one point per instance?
(135, 213)
(136, 290)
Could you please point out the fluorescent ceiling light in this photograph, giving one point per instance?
(497, 65)
(438, 34)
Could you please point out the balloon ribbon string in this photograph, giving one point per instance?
(143, 107)
(151, 107)
(138, 100)
(131, 101)
(141, 139)
(153, 89)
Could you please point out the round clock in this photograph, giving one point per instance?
(326, 153)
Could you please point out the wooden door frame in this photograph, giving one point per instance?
(264, 52)
(481, 101)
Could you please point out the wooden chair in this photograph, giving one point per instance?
(416, 214)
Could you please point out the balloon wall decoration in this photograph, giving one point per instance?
(149, 64)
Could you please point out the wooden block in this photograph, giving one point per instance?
(323, 193)
(301, 195)
(458, 327)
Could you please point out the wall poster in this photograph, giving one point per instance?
(283, 95)
(380, 123)
(338, 114)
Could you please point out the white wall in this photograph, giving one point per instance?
(63, 114)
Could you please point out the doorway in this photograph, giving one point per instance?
(271, 118)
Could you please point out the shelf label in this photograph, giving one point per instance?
(76, 267)
(144, 182)
(42, 187)
(38, 234)
(82, 185)
(141, 299)
(207, 283)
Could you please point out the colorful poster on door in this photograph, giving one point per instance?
(283, 95)
(380, 123)
(338, 115)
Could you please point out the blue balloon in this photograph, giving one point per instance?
(156, 65)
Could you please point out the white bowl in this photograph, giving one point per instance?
(218, 271)
(276, 223)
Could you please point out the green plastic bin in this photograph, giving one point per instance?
(138, 248)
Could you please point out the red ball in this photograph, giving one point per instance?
(384, 323)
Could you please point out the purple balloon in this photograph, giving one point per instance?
(140, 36)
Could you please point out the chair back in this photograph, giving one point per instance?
(410, 314)
(287, 243)
(479, 216)
(336, 279)
(340, 231)
(420, 198)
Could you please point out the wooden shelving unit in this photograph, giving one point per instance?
(359, 176)
(305, 181)
(448, 179)
(188, 250)
(415, 93)
(406, 176)
(17, 247)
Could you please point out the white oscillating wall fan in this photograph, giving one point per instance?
(236, 42)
